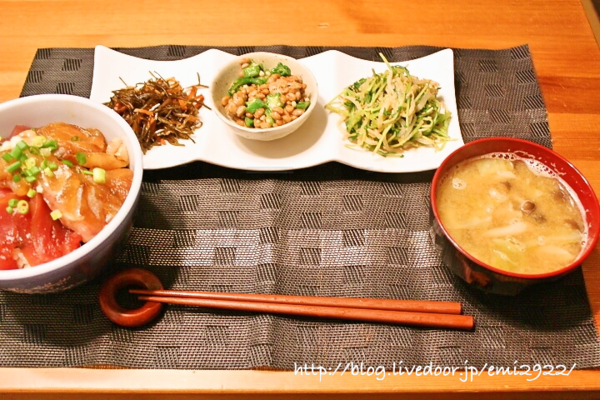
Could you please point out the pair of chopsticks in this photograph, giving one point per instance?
(432, 314)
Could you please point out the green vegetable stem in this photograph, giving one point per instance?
(252, 106)
(245, 81)
(274, 100)
(282, 70)
(303, 105)
(252, 71)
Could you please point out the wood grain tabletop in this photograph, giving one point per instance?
(566, 57)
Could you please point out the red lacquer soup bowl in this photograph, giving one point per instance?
(485, 276)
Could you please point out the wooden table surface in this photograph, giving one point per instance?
(567, 61)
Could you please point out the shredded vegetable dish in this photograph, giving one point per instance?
(159, 110)
(392, 111)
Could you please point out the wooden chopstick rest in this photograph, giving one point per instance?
(422, 306)
(126, 317)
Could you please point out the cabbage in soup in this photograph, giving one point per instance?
(511, 215)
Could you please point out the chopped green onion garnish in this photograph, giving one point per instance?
(51, 144)
(13, 202)
(53, 166)
(31, 193)
(56, 214)
(249, 122)
(16, 178)
(75, 139)
(81, 159)
(45, 151)
(10, 210)
(22, 158)
(30, 162)
(16, 152)
(67, 163)
(86, 172)
(30, 179)
(14, 166)
(48, 172)
(34, 170)
(7, 157)
(22, 207)
(22, 145)
(38, 141)
(99, 175)
(34, 150)
(44, 164)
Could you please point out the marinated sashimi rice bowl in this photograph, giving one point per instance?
(70, 173)
(60, 184)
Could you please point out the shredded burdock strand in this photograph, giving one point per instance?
(393, 111)
(159, 110)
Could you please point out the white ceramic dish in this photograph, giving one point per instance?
(87, 261)
(230, 72)
(318, 141)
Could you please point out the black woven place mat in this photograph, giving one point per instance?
(330, 230)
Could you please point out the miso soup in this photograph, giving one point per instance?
(512, 214)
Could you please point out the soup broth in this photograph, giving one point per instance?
(511, 214)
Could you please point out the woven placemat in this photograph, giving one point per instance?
(330, 230)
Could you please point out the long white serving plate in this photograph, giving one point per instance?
(318, 141)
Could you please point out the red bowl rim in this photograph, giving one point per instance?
(577, 262)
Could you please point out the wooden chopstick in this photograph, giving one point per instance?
(432, 320)
(421, 306)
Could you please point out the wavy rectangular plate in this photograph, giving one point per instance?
(319, 140)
